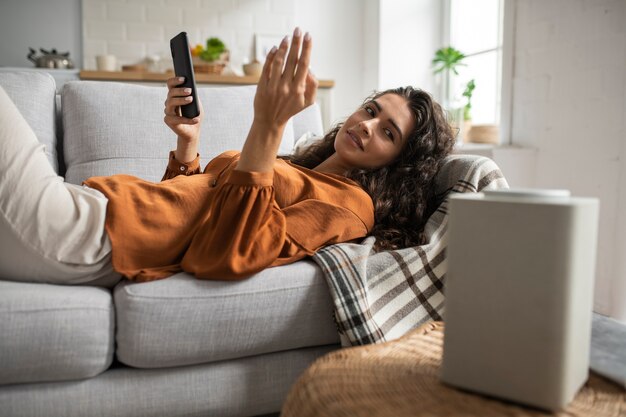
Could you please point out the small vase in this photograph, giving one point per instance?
(253, 69)
(467, 125)
(485, 134)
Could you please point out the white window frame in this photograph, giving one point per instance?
(506, 72)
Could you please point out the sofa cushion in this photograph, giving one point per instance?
(182, 320)
(112, 128)
(34, 95)
(54, 332)
(242, 387)
(309, 122)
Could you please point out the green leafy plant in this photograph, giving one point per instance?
(214, 49)
(469, 90)
(448, 59)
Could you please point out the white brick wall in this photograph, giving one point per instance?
(569, 101)
(133, 29)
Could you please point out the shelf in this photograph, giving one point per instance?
(138, 76)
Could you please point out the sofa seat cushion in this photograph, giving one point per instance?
(112, 128)
(34, 95)
(54, 332)
(242, 387)
(182, 320)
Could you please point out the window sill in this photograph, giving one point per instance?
(517, 163)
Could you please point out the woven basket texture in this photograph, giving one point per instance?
(401, 378)
(209, 68)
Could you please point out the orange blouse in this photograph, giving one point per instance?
(227, 224)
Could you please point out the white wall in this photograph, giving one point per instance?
(134, 29)
(410, 33)
(618, 291)
(569, 101)
(363, 45)
(338, 29)
(38, 24)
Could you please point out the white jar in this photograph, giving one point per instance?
(106, 63)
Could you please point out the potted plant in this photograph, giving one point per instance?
(210, 58)
(447, 60)
(467, 109)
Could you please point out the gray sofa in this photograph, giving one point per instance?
(175, 347)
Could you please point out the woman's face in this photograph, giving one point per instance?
(374, 135)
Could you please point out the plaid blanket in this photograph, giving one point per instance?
(381, 296)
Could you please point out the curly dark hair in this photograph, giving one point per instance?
(403, 191)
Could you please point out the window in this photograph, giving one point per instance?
(476, 29)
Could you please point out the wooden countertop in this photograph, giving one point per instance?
(138, 76)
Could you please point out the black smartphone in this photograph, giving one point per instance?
(181, 55)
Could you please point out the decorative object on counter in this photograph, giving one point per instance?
(263, 44)
(446, 61)
(484, 134)
(253, 68)
(106, 63)
(467, 110)
(50, 59)
(211, 58)
(153, 62)
(445, 64)
(134, 68)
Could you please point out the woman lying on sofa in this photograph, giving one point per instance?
(245, 211)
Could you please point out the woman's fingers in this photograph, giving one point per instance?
(267, 68)
(174, 120)
(281, 63)
(176, 96)
(174, 81)
(277, 64)
(311, 89)
(186, 129)
(172, 103)
(305, 60)
(281, 93)
(292, 59)
(179, 92)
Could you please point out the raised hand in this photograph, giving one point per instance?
(286, 87)
(187, 130)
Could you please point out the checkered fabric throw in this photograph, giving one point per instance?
(381, 296)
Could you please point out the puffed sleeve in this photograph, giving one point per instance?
(247, 232)
(243, 232)
(175, 168)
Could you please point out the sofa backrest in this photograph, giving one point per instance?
(112, 128)
(104, 128)
(34, 96)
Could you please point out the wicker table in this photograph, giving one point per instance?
(401, 378)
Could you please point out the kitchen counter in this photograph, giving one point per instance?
(140, 76)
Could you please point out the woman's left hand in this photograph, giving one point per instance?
(282, 93)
